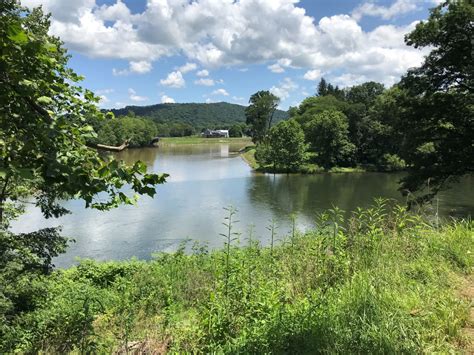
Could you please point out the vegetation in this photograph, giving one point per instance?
(178, 120)
(424, 124)
(259, 114)
(284, 148)
(138, 132)
(202, 140)
(44, 157)
(437, 100)
(382, 281)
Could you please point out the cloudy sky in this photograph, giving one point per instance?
(142, 52)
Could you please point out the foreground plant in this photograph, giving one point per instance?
(381, 280)
(43, 154)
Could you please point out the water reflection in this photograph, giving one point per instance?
(205, 178)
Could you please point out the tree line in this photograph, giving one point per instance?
(424, 124)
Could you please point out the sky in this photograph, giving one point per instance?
(144, 52)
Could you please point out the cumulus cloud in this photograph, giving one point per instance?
(314, 74)
(137, 67)
(187, 68)
(165, 99)
(134, 97)
(205, 82)
(284, 89)
(217, 33)
(203, 73)
(399, 7)
(222, 92)
(174, 80)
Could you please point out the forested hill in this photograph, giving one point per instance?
(198, 115)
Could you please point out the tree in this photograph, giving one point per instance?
(437, 116)
(285, 146)
(317, 104)
(327, 133)
(44, 157)
(322, 88)
(259, 114)
(365, 93)
(237, 130)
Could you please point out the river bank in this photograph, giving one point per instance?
(202, 140)
(388, 283)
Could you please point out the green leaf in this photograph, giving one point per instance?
(45, 100)
(16, 33)
(3, 173)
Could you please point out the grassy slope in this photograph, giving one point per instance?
(201, 140)
(385, 284)
(309, 168)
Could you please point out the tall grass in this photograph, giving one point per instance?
(381, 281)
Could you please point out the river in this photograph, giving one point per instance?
(204, 179)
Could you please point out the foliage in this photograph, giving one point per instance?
(259, 114)
(378, 281)
(177, 120)
(44, 158)
(238, 130)
(327, 133)
(437, 119)
(284, 146)
(137, 131)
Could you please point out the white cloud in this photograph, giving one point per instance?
(284, 89)
(202, 73)
(205, 82)
(187, 68)
(399, 7)
(104, 99)
(165, 99)
(137, 67)
(287, 38)
(314, 74)
(104, 91)
(174, 80)
(276, 68)
(222, 92)
(134, 97)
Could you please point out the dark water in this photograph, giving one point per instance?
(204, 179)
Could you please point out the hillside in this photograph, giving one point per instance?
(198, 115)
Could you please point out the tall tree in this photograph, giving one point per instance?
(322, 88)
(43, 152)
(437, 116)
(285, 147)
(259, 114)
(328, 135)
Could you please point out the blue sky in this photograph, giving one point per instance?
(143, 52)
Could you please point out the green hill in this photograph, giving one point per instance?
(198, 115)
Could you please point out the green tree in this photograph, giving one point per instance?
(437, 117)
(317, 104)
(237, 130)
(284, 147)
(44, 157)
(328, 134)
(259, 114)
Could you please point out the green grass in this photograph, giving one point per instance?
(383, 281)
(248, 154)
(201, 140)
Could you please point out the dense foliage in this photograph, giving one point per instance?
(178, 120)
(379, 282)
(260, 114)
(438, 100)
(284, 147)
(138, 132)
(43, 154)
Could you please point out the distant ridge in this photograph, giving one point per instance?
(199, 115)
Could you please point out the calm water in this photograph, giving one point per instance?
(204, 179)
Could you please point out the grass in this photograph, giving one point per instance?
(248, 154)
(382, 281)
(202, 140)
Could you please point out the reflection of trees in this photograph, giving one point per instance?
(306, 194)
(147, 155)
